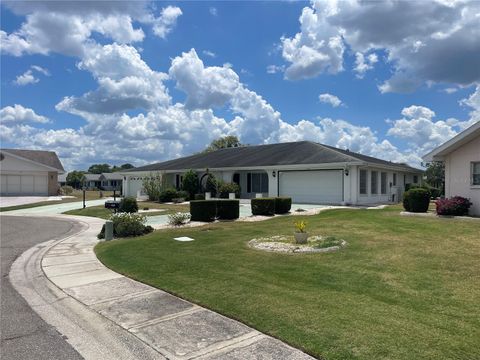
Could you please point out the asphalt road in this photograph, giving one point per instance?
(24, 335)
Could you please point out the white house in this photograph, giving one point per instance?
(29, 172)
(461, 156)
(306, 171)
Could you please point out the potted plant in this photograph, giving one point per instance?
(300, 234)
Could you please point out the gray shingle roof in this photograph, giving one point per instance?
(112, 176)
(48, 158)
(92, 177)
(292, 153)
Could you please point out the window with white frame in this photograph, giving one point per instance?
(363, 182)
(476, 173)
(383, 183)
(374, 182)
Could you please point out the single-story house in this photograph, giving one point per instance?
(29, 172)
(461, 156)
(92, 181)
(306, 171)
(111, 181)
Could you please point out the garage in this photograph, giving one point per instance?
(312, 187)
(24, 185)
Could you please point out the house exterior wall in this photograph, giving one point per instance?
(458, 174)
(52, 183)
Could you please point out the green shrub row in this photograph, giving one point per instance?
(271, 206)
(433, 191)
(416, 200)
(210, 210)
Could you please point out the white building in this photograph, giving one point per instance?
(461, 156)
(306, 171)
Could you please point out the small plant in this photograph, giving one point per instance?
(178, 218)
(128, 205)
(127, 224)
(66, 190)
(300, 226)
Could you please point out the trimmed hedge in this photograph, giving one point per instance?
(283, 205)
(199, 197)
(456, 206)
(128, 205)
(210, 210)
(416, 200)
(228, 209)
(263, 206)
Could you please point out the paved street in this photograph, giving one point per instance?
(24, 335)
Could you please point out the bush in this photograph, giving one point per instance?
(203, 210)
(456, 206)
(263, 206)
(178, 218)
(199, 197)
(153, 185)
(127, 224)
(128, 205)
(168, 195)
(226, 188)
(228, 209)
(211, 185)
(190, 183)
(66, 190)
(283, 205)
(183, 195)
(416, 200)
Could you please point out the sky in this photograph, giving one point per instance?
(141, 82)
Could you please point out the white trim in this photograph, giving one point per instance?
(454, 143)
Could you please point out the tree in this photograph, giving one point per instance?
(126, 166)
(75, 179)
(99, 168)
(229, 141)
(435, 174)
(190, 183)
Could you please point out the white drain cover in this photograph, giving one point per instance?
(183, 238)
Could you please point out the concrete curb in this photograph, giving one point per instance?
(149, 322)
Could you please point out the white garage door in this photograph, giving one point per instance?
(24, 185)
(312, 187)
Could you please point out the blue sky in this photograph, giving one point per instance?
(148, 81)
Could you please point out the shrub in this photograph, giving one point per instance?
(263, 206)
(283, 205)
(226, 188)
(190, 183)
(199, 197)
(228, 209)
(153, 185)
(128, 205)
(456, 206)
(168, 195)
(127, 224)
(211, 185)
(416, 200)
(178, 218)
(66, 190)
(203, 210)
(183, 195)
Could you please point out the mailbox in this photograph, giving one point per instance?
(112, 204)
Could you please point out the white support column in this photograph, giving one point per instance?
(272, 183)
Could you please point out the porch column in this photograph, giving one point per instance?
(272, 183)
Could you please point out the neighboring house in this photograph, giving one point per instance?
(29, 172)
(62, 179)
(308, 172)
(92, 181)
(111, 181)
(461, 156)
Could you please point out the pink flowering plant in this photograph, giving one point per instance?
(457, 206)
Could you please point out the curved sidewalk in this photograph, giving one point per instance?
(172, 327)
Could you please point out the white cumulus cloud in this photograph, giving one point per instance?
(17, 114)
(333, 100)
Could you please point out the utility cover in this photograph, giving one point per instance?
(183, 238)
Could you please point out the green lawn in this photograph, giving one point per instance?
(101, 212)
(403, 288)
(78, 196)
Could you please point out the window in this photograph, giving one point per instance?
(383, 183)
(374, 182)
(257, 183)
(394, 179)
(476, 173)
(415, 179)
(363, 182)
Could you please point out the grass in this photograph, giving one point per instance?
(403, 288)
(101, 212)
(78, 196)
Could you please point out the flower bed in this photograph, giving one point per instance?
(287, 244)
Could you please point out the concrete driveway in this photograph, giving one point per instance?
(24, 335)
(7, 201)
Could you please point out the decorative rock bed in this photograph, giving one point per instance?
(287, 244)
